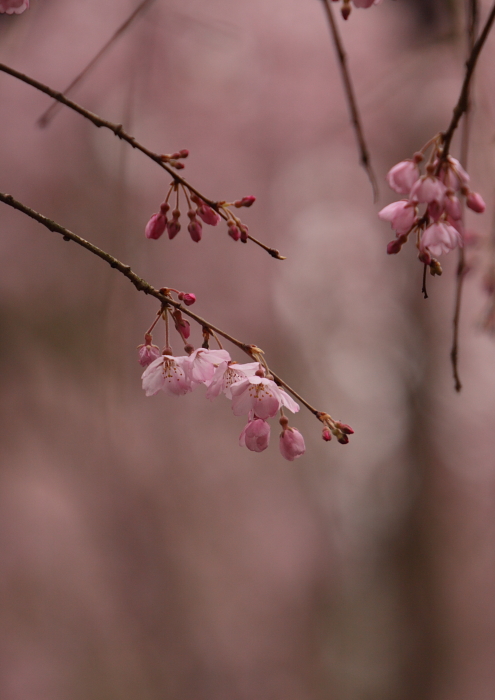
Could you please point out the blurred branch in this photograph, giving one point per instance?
(141, 285)
(50, 113)
(472, 21)
(462, 105)
(119, 131)
(351, 99)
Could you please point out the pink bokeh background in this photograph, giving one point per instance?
(143, 553)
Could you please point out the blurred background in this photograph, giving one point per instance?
(143, 553)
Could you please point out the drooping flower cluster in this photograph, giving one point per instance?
(199, 212)
(433, 210)
(253, 394)
(15, 7)
(346, 5)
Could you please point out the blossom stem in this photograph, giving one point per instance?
(143, 286)
(423, 288)
(471, 31)
(150, 329)
(119, 131)
(351, 98)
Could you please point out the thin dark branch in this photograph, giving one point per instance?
(50, 113)
(118, 130)
(462, 105)
(351, 99)
(141, 285)
(472, 21)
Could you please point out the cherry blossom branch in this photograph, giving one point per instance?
(340, 430)
(351, 99)
(119, 131)
(471, 31)
(49, 113)
(462, 105)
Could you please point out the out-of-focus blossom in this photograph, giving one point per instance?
(453, 174)
(167, 373)
(428, 189)
(440, 238)
(14, 6)
(402, 215)
(402, 176)
(256, 435)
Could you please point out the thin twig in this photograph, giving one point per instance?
(351, 99)
(50, 113)
(119, 131)
(472, 21)
(143, 286)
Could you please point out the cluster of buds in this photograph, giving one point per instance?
(346, 5)
(334, 427)
(433, 210)
(199, 212)
(175, 159)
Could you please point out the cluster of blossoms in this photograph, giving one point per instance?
(13, 6)
(346, 5)
(252, 392)
(433, 209)
(250, 387)
(199, 212)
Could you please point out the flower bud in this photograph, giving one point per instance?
(245, 202)
(475, 202)
(155, 226)
(187, 298)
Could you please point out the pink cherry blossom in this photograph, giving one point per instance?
(14, 6)
(475, 202)
(401, 214)
(156, 226)
(440, 238)
(402, 176)
(168, 374)
(202, 363)
(147, 354)
(260, 395)
(256, 435)
(291, 444)
(428, 189)
(228, 373)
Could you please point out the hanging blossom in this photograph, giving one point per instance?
(15, 7)
(169, 374)
(346, 5)
(432, 211)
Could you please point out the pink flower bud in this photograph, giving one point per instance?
(209, 215)
(395, 246)
(233, 231)
(187, 298)
(244, 233)
(344, 440)
(346, 429)
(326, 435)
(148, 354)
(245, 202)
(195, 230)
(291, 444)
(173, 228)
(402, 176)
(256, 435)
(155, 226)
(475, 202)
